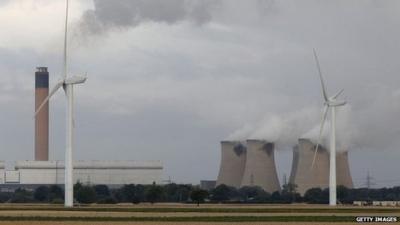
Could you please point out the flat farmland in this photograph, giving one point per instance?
(187, 214)
(174, 223)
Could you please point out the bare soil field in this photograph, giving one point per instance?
(175, 223)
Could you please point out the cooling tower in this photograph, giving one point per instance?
(306, 177)
(42, 118)
(233, 159)
(343, 170)
(260, 167)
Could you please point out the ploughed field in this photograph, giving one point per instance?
(187, 214)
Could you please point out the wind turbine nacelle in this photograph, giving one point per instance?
(75, 80)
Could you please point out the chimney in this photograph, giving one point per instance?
(42, 118)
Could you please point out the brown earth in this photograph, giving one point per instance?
(174, 223)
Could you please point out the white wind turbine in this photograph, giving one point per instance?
(330, 103)
(68, 85)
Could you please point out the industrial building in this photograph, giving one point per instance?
(207, 184)
(305, 176)
(250, 165)
(111, 173)
(41, 171)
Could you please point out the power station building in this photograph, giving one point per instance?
(41, 171)
(253, 165)
(306, 176)
(111, 173)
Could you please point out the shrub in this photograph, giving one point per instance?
(86, 195)
(41, 193)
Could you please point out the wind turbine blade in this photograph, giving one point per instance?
(324, 116)
(52, 92)
(337, 94)
(320, 76)
(65, 41)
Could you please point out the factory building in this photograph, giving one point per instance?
(111, 173)
(207, 184)
(305, 176)
(41, 171)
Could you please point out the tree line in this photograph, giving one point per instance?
(186, 193)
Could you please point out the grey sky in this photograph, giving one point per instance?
(169, 79)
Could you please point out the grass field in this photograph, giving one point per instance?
(187, 214)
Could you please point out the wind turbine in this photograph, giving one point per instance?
(330, 103)
(67, 82)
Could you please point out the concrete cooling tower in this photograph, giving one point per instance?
(260, 167)
(343, 170)
(233, 160)
(306, 177)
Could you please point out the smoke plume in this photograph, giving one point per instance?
(282, 129)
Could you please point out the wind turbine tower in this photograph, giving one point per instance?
(331, 103)
(67, 82)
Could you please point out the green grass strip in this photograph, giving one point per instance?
(208, 210)
(190, 219)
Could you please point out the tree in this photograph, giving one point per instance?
(343, 194)
(56, 193)
(198, 196)
(317, 196)
(276, 197)
(77, 187)
(102, 190)
(313, 195)
(177, 192)
(5, 197)
(42, 193)
(86, 194)
(222, 193)
(103, 194)
(130, 193)
(253, 194)
(289, 193)
(21, 196)
(184, 192)
(172, 192)
(154, 193)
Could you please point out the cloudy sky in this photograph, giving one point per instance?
(170, 79)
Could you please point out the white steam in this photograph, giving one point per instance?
(283, 129)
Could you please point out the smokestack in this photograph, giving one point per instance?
(42, 118)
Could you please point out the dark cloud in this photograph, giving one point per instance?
(129, 13)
